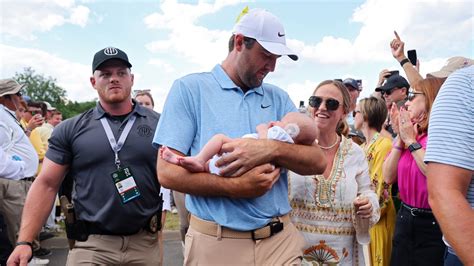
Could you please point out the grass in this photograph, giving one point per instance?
(172, 221)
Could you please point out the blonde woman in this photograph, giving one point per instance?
(335, 210)
(369, 117)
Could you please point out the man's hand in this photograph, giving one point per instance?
(383, 76)
(20, 256)
(255, 182)
(397, 47)
(241, 155)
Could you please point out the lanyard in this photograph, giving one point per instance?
(117, 146)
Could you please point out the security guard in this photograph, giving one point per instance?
(108, 154)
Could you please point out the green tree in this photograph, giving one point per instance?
(41, 88)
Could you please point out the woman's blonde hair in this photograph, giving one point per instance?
(342, 126)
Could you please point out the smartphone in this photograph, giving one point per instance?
(412, 56)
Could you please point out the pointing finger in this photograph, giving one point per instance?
(396, 35)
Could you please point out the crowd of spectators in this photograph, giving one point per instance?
(374, 185)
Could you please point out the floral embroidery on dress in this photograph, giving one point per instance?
(323, 254)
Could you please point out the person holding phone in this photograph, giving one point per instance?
(397, 47)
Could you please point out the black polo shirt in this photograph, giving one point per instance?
(81, 143)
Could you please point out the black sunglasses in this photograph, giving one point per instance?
(354, 113)
(388, 92)
(412, 94)
(331, 104)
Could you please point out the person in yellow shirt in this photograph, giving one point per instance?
(369, 117)
(31, 120)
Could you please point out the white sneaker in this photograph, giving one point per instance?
(174, 210)
(37, 261)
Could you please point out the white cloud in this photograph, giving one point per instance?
(22, 19)
(162, 64)
(74, 78)
(79, 16)
(199, 45)
(424, 25)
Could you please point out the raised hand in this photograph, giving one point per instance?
(397, 47)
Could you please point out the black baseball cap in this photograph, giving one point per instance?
(107, 54)
(392, 82)
(351, 82)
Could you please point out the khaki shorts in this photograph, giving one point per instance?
(138, 249)
(283, 248)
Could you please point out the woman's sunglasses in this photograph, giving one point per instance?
(331, 104)
(412, 94)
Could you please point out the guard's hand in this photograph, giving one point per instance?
(241, 155)
(255, 182)
(363, 207)
(397, 48)
(20, 256)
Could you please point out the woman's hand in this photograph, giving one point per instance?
(363, 207)
(406, 128)
(394, 115)
(397, 47)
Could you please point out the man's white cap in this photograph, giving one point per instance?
(49, 107)
(267, 29)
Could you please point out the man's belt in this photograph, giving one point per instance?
(31, 178)
(211, 228)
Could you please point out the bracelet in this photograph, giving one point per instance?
(404, 61)
(397, 148)
(26, 243)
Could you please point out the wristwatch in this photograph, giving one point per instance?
(414, 146)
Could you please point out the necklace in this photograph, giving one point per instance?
(331, 146)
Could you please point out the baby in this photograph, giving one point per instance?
(294, 128)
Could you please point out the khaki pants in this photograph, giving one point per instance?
(139, 249)
(12, 199)
(283, 248)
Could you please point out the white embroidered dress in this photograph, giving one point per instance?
(323, 209)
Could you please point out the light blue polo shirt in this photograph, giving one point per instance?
(201, 105)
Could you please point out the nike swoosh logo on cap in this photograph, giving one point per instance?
(281, 34)
(263, 106)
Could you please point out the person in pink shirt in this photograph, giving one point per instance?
(417, 238)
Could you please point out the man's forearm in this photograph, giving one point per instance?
(456, 218)
(447, 188)
(301, 159)
(203, 184)
(38, 206)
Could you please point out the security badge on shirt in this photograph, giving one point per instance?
(125, 184)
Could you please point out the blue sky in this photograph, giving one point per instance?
(168, 39)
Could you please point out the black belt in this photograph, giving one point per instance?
(93, 229)
(31, 178)
(153, 225)
(417, 211)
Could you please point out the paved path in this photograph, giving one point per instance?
(173, 255)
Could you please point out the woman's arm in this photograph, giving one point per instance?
(390, 166)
